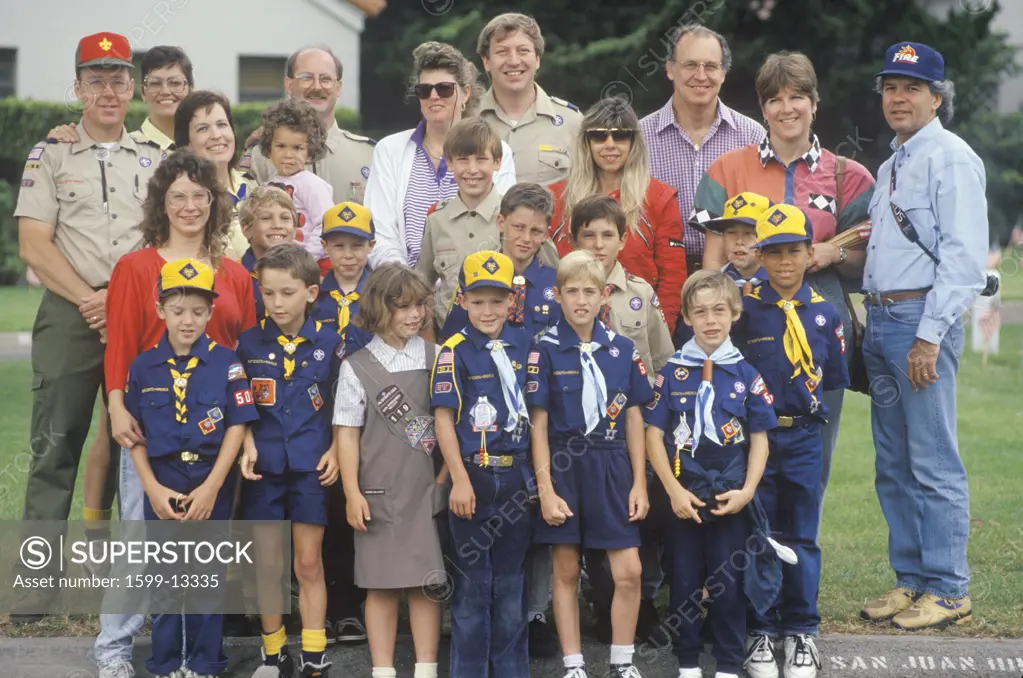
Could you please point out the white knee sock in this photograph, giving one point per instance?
(384, 672)
(573, 661)
(426, 671)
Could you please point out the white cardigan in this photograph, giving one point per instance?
(388, 182)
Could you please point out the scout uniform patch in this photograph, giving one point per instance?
(391, 403)
(207, 427)
(264, 391)
(683, 434)
(235, 372)
(315, 397)
(732, 431)
(215, 414)
(616, 406)
(420, 431)
(484, 416)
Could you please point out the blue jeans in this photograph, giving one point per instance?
(488, 609)
(791, 494)
(920, 479)
(117, 631)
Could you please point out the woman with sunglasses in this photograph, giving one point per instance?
(186, 215)
(610, 158)
(410, 173)
(791, 167)
(203, 125)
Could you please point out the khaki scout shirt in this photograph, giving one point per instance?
(94, 206)
(345, 168)
(636, 314)
(151, 132)
(453, 231)
(542, 140)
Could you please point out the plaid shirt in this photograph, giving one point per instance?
(676, 161)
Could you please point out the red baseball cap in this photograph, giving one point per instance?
(105, 50)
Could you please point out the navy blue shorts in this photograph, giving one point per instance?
(595, 483)
(296, 496)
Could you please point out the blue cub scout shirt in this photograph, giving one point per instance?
(760, 333)
(294, 427)
(217, 397)
(465, 379)
(326, 311)
(555, 383)
(539, 311)
(742, 405)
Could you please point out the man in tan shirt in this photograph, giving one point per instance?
(314, 75)
(539, 128)
(78, 211)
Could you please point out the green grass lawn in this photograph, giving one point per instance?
(19, 305)
(854, 535)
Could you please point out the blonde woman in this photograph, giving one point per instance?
(409, 171)
(610, 158)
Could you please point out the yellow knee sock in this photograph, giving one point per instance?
(314, 641)
(275, 641)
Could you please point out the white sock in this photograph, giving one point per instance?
(574, 661)
(384, 672)
(425, 670)
(726, 675)
(622, 654)
(538, 616)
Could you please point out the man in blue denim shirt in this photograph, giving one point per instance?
(930, 190)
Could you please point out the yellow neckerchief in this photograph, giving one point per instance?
(289, 346)
(344, 307)
(180, 386)
(797, 348)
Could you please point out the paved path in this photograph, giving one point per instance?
(868, 656)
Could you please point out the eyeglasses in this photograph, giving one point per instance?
(307, 80)
(200, 199)
(709, 67)
(98, 85)
(444, 90)
(599, 136)
(175, 85)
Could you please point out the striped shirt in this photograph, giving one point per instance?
(350, 400)
(426, 187)
(678, 162)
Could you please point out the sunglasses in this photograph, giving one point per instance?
(599, 136)
(444, 90)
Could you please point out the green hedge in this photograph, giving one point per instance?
(24, 123)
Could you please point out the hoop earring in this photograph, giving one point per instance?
(463, 107)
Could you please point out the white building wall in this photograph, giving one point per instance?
(214, 33)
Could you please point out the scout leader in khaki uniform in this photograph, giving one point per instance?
(636, 314)
(79, 210)
(314, 75)
(539, 128)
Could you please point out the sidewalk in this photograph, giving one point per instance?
(868, 656)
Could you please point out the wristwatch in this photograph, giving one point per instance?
(842, 256)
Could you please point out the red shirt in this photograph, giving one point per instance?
(132, 323)
(654, 253)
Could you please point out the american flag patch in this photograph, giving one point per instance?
(534, 357)
(659, 382)
(446, 358)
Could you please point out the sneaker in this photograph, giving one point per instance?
(284, 667)
(542, 641)
(932, 612)
(801, 658)
(310, 670)
(624, 671)
(576, 672)
(760, 661)
(120, 669)
(690, 673)
(890, 604)
(350, 631)
(648, 624)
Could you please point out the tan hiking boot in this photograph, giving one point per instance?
(890, 604)
(932, 612)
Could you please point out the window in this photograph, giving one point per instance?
(261, 78)
(8, 63)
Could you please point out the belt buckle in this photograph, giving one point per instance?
(505, 461)
(785, 422)
(190, 457)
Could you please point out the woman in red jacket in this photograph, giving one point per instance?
(188, 214)
(610, 158)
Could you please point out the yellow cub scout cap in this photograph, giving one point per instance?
(783, 223)
(351, 218)
(745, 208)
(487, 269)
(186, 275)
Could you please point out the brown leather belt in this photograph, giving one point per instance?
(888, 298)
